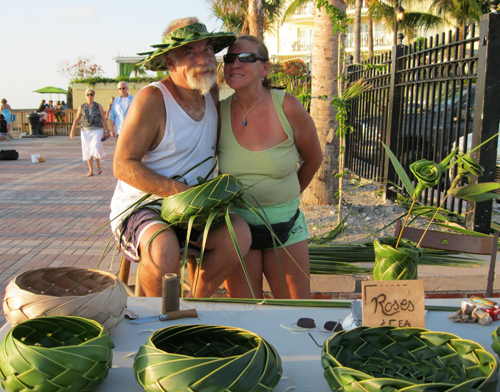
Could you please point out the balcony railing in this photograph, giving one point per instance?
(300, 45)
(379, 39)
(306, 9)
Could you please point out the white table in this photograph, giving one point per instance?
(300, 355)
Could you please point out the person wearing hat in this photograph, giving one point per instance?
(171, 126)
(91, 117)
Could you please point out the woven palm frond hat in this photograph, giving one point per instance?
(180, 37)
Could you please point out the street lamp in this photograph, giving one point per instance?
(399, 14)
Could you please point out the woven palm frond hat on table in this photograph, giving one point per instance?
(182, 36)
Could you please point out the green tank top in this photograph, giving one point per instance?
(269, 175)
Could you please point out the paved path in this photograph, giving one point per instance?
(50, 212)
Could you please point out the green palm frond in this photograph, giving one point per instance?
(406, 359)
(207, 357)
(49, 354)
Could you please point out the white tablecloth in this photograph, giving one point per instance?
(300, 355)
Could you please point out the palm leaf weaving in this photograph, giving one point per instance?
(66, 291)
(199, 358)
(51, 354)
(406, 359)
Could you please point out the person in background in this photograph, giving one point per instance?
(171, 126)
(58, 111)
(120, 108)
(93, 123)
(4, 134)
(108, 114)
(268, 141)
(6, 110)
(63, 104)
(42, 111)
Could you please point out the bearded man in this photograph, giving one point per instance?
(171, 126)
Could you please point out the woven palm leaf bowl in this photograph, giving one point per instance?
(207, 358)
(66, 291)
(406, 359)
(51, 354)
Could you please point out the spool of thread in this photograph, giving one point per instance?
(171, 290)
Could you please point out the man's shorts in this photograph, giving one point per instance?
(141, 220)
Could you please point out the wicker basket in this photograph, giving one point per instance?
(207, 358)
(66, 291)
(392, 359)
(51, 354)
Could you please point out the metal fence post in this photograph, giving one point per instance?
(393, 116)
(486, 115)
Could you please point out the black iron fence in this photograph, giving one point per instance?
(424, 100)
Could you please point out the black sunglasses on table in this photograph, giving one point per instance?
(243, 57)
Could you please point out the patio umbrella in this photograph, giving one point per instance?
(51, 90)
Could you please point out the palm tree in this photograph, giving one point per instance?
(324, 82)
(460, 13)
(357, 31)
(382, 10)
(247, 16)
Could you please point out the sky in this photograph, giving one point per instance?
(37, 36)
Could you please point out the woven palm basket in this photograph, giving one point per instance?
(55, 354)
(199, 358)
(66, 291)
(410, 359)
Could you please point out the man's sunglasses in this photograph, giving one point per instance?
(243, 57)
(90, 95)
(122, 88)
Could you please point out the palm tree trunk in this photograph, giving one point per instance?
(256, 18)
(324, 82)
(370, 37)
(357, 32)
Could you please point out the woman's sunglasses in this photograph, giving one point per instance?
(243, 57)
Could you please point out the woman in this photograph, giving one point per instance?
(263, 133)
(93, 122)
(6, 110)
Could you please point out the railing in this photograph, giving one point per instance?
(300, 45)
(306, 9)
(380, 38)
(430, 98)
(21, 117)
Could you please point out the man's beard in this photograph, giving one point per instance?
(203, 83)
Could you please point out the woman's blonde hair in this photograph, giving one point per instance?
(89, 90)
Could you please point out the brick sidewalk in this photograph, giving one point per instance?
(49, 212)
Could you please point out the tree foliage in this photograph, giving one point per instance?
(234, 14)
(81, 68)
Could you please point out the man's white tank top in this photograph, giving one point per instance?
(186, 143)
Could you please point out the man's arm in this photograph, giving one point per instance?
(141, 132)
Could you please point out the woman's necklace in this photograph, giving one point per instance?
(245, 122)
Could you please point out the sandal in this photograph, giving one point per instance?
(90, 174)
(99, 171)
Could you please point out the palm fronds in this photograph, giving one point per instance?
(55, 354)
(207, 357)
(343, 259)
(380, 358)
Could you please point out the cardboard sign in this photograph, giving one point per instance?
(399, 303)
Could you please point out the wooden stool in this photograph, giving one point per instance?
(124, 272)
(123, 275)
